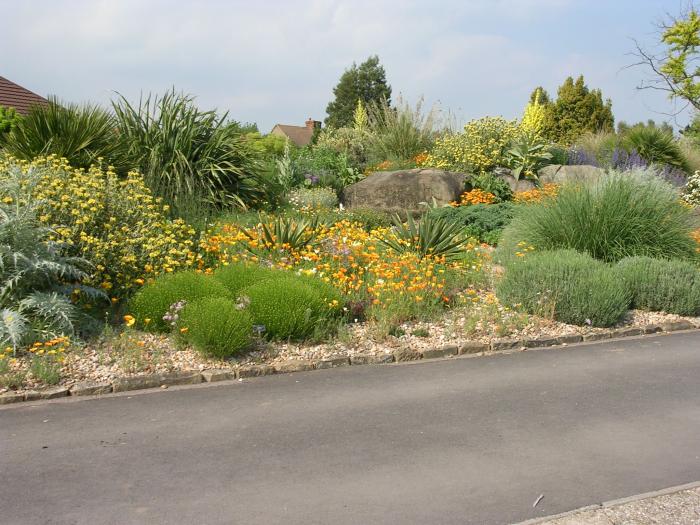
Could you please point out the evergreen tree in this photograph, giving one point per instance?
(577, 110)
(539, 95)
(366, 83)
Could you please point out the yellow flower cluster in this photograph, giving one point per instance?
(477, 149)
(475, 196)
(533, 117)
(537, 194)
(114, 223)
(524, 249)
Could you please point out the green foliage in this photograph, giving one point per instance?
(188, 156)
(237, 276)
(656, 146)
(484, 222)
(83, 134)
(576, 111)
(292, 307)
(36, 278)
(353, 143)
(366, 82)
(8, 118)
(619, 215)
(540, 95)
(401, 132)
(661, 285)
(498, 187)
(313, 199)
(155, 299)
(324, 166)
(45, 369)
(432, 236)
(623, 127)
(267, 146)
(598, 146)
(565, 285)
(526, 155)
(216, 326)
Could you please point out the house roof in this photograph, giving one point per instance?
(15, 96)
(299, 135)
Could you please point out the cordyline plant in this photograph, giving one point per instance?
(429, 237)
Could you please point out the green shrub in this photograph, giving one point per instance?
(154, 300)
(661, 285)
(619, 215)
(237, 276)
(216, 326)
(656, 146)
(430, 237)
(292, 307)
(368, 217)
(484, 222)
(492, 184)
(568, 286)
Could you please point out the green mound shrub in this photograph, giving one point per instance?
(216, 326)
(619, 215)
(292, 307)
(567, 286)
(484, 222)
(237, 276)
(661, 285)
(155, 299)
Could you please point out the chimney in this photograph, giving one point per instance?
(313, 124)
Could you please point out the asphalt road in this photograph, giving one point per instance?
(472, 440)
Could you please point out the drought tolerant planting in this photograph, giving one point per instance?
(156, 237)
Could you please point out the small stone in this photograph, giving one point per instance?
(138, 382)
(181, 378)
(371, 359)
(32, 395)
(596, 336)
(90, 389)
(651, 329)
(406, 354)
(53, 392)
(11, 397)
(445, 351)
(674, 326)
(498, 345)
(626, 332)
(214, 375)
(539, 342)
(569, 338)
(255, 371)
(472, 347)
(295, 365)
(333, 362)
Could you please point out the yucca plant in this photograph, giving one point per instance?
(429, 237)
(656, 146)
(188, 155)
(83, 134)
(284, 233)
(36, 280)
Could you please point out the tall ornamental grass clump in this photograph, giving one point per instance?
(567, 286)
(662, 285)
(151, 304)
(619, 215)
(216, 326)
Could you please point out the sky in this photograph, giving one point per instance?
(275, 61)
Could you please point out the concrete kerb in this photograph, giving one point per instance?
(467, 349)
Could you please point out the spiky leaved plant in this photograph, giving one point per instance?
(431, 236)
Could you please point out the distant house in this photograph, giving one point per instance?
(299, 135)
(14, 96)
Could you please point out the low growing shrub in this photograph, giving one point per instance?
(292, 307)
(565, 285)
(237, 276)
(154, 300)
(619, 215)
(662, 285)
(484, 222)
(216, 326)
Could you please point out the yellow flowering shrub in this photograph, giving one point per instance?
(533, 117)
(114, 223)
(478, 149)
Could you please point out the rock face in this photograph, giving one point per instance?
(559, 173)
(396, 191)
(516, 186)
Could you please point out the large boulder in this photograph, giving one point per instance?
(404, 190)
(515, 185)
(559, 173)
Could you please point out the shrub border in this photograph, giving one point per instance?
(465, 349)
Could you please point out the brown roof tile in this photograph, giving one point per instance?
(299, 135)
(14, 96)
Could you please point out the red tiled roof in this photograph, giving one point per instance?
(14, 96)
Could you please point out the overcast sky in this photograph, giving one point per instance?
(277, 61)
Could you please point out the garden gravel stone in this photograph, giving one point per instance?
(90, 389)
(498, 345)
(255, 371)
(539, 342)
(332, 362)
(181, 378)
(473, 347)
(445, 351)
(406, 354)
(569, 339)
(677, 325)
(212, 376)
(297, 365)
(373, 359)
(138, 382)
(11, 397)
(54, 392)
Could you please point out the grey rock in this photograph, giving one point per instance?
(596, 336)
(677, 325)
(569, 339)
(188, 377)
(255, 371)
(559, 174)
(296, 365)
(473, 347)
(445, 351)
(515, 185)
(32, 395)
(53, 392)
(398, 191)
(371, 359)
(626, 332)
(214, 375)
(539, 342)
(498, 345)
(139, 382)
(90, 389)
(406, 354)
(11, 397)
(651, 328)
(332, 362)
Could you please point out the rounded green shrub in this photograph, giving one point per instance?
(216, 326)
(568, 286)
(237, 276)
(616, 216)
(154, 300)
(293, 307)
(662, 285)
